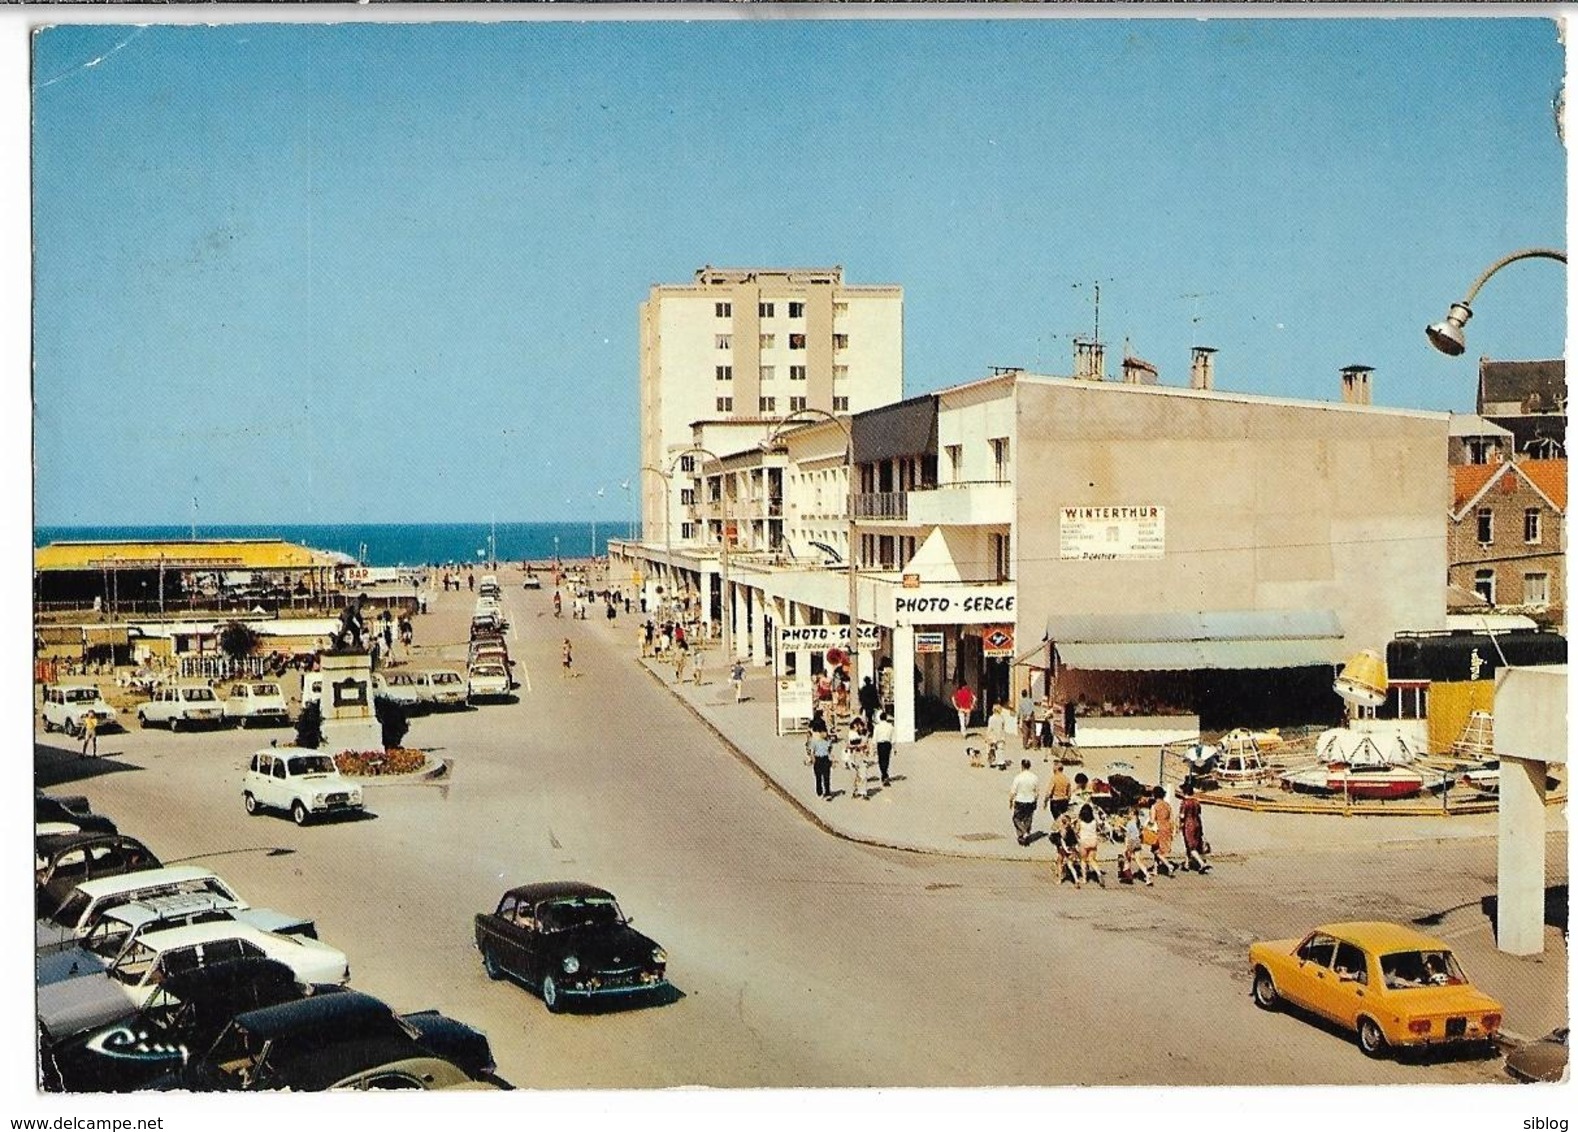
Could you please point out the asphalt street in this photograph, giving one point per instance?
(801, 959)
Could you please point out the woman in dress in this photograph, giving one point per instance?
(1089, 839)
(1162, 820)
(1193, 830)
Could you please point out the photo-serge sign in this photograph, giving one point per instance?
(955, 605)
(826, 636)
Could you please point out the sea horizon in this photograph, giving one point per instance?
(379, 544)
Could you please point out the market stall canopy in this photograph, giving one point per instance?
(1179, 642)
(181, 554)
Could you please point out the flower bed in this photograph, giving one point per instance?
(371, 764)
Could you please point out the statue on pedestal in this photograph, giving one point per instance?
(349, 634)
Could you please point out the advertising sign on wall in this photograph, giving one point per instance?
(997, 640)
(928, 642)
(1094, 533)
(826, 636)
(795, 698)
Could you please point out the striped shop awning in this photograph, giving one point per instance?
(1180, 642)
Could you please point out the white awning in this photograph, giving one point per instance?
(1173, 642)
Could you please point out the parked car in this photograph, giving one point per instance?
(70, 813)
(1392, 985)
(303, 783)
(487, 681)
(569, 941)
(531, 582)
(441, 687)
(82, 907)
(63, 861)
(89, 1000)
(347, 1040)
(1544, 1059)
(489, 648)
(65, 706)
(182, 1016)
(182, 705)
(399, 687)
(486, 625)
(256, 701)
(488, 586)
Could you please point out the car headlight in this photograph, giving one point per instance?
(571, 964)
(659, 955)
(318, 798)
(356, 793)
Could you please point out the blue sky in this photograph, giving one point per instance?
(359, 272)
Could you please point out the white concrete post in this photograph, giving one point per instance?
(736, 612)
(1520, 857)
(904, 684)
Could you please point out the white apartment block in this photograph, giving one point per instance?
(737, 350)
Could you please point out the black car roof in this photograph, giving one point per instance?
(227, 979)
(53, 844)
(328, 1012)
(548, 889)
(325, 1066)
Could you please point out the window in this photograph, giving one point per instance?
(796, 310)
(1531, 524)
(725, 404)
(840, 404)
(687, 496)
(1537, 589)
(723, 310)
(840, 341)
(724, 341)
(687, 463)
(1350, 964)
(955, 461)
(764, 310)
(769, 373)
(769, 341)
(1317, 949)
(1000, 458)
(1485, 585)
(840, 373)
(1000, 556)
(1485, 525)
(724, 373)
(797, 341)
(840, 308)
(767, 404)
(796, 373)
(796, 404)
(1479, 449)
(687, 530)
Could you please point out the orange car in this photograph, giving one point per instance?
(1392, 985)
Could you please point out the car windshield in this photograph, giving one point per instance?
(578, 912)
(265, 689)
(198, 695)
(107, 938)
(81, 695)
(446, 678)
(1425, 968)
(311, 764)
(488, 670)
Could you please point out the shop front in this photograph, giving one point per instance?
(945, 635)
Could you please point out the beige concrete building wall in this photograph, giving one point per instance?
(1269, 505)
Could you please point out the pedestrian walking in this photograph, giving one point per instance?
(964, 704)
(1024, 795)
(1196, 847)
(882, 736)
(820, 751)
(870, 700)
(737, 679)
(568, 660)
(1135, 852)
(558, 604)
(997, 727)
(1027, 720)
(90, 734)
(681, 655)
(1059, 791)
(696, 657)
(471, 581)
(1065, 841)
(641, 641)
(1089, 840)
(855, 758)
(1162, 825)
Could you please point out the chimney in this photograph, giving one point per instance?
(1356, 385)
(1138, 371)
(1202, 367)
(1090, 360)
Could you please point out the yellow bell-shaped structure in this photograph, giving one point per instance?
(1363, 679)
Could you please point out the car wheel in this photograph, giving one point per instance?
(175, 724)
(1265, 990)
(1371, 1040)
(48, 726)
(142, 720)
(69, 728)
(490, 966)
(298, 812)
(550, 995)
(249, 800)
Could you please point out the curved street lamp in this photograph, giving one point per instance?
(1447, 335)
(849, 463)
(668, 530)
(723, 553)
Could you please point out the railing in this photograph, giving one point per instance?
(961, 484)
(882, 505)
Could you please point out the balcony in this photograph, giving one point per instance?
(963, 504)
(882, 505)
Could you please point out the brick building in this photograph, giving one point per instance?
(1507, 535)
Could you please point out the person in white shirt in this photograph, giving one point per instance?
(882, 736)
(1023, 795)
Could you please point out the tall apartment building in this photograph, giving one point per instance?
(744, 347)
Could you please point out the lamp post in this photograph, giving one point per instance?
(668, 529)
(854, 577)
(723, 552)
(1447, 335)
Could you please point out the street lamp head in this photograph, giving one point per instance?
(1447, 336)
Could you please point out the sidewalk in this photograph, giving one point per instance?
(938, 803)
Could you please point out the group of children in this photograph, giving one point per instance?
(1147, 834)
